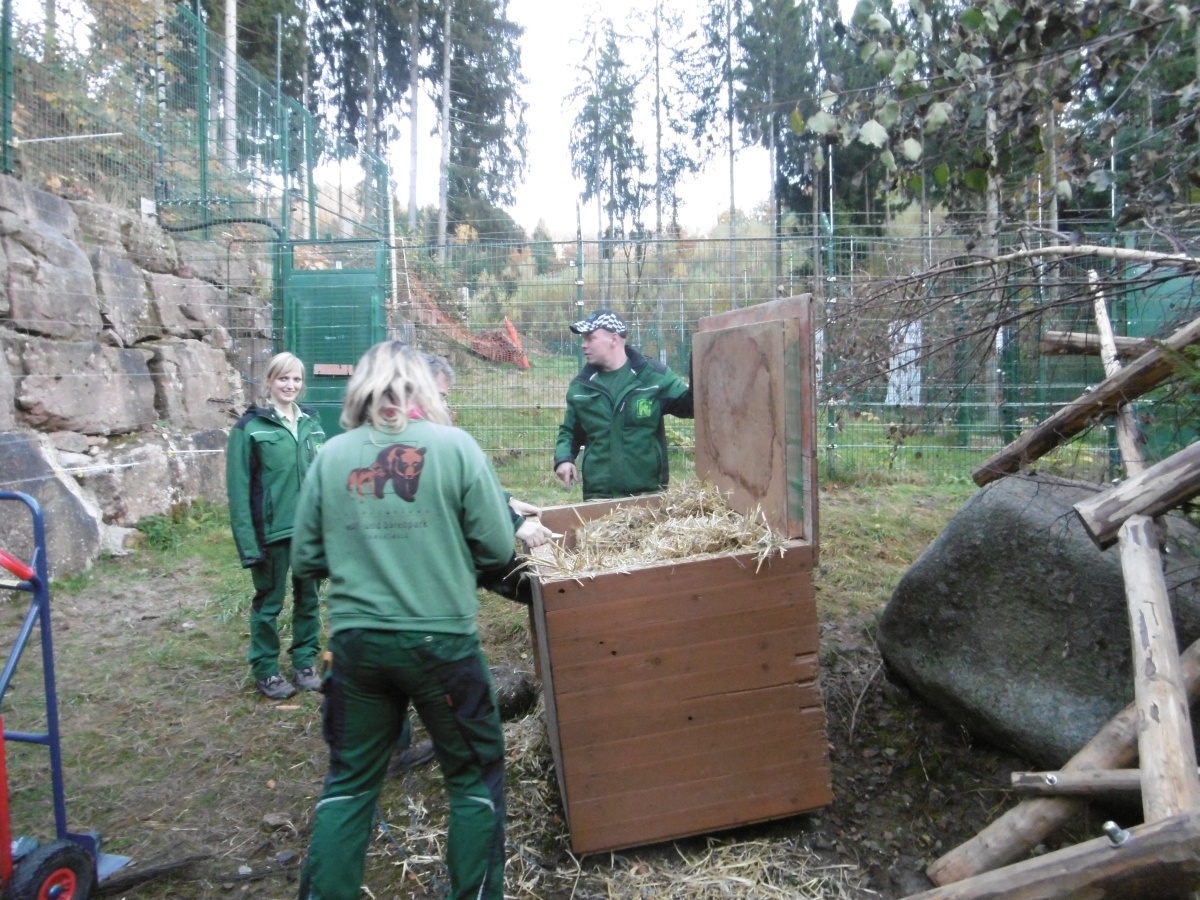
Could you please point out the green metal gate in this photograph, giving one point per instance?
(330, 309)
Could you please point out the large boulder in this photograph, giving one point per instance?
(1013, 623)
(73, 530)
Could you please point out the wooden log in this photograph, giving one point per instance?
(1140, 376)
(1098, 783)
(1165, 744)
(1166, 749)
(1162, 487)
(1081, 343)
(1161, 859)
(1031, 821)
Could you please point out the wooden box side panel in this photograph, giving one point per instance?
(685, 697)
(741, 418)
(715, 789)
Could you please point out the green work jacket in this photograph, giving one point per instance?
(623, 439)
(265, 465)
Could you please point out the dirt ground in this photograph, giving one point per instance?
(209, 788)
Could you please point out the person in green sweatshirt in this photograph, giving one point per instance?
(269, 450)
(615, 410)
(399, 512)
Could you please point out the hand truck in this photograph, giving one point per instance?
(68, 867)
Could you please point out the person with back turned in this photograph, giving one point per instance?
(399, 513)
(615, 409)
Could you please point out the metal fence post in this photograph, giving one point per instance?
(6, 101)
(202, 113)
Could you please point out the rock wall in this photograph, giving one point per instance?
(125, 355)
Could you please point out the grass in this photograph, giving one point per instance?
(169, 752)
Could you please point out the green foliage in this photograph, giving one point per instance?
(165, 533)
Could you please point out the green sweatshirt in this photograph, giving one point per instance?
(264, 467)
(399, 523)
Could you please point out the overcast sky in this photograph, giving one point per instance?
(550, 49)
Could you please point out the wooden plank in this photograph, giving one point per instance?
(738, 798)
(776, 650)
(619, 639)
(1085, 344)
(741, 418)
(1101, 782)
(1142, 375)
(806, 467)
(785, 308)
(1166, 749)
(1031, 821)
(661, 715)
(767, 653)
(732, 580)
(748, 675)
(537, 613)
(764, 738)
(1160, 488)
(1158, 860)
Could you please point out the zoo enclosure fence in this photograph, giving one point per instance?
(126, 101)
(928, 374)
(137, 103)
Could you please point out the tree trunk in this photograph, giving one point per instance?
(414, 96)
(444, 171)
(229, 119)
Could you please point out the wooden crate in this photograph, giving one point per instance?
(683, 698)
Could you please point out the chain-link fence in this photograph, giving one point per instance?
(137, 103)
(926, 373)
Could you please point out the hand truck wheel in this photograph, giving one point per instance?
(62, 870)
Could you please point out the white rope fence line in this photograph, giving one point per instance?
(61, 471)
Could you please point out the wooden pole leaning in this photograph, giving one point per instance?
(1140, 376)
(1030, 822)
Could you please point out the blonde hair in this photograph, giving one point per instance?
(390, 378)
(281, 364)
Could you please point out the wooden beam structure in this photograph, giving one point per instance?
(1149, 862)
(1095, 783)
(1030, 822)
(1166, 748)
(1142, 375)
(1162, 487)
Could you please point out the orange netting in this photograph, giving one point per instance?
(498, 344)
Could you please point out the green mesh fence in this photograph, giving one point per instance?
(127, 101)
(920, 377)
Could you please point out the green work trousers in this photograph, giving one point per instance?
(270, 585)
(374, 677)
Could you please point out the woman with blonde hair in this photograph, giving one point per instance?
(269, 450)
(398, 513)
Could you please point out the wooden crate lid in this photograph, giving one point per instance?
(755, 392)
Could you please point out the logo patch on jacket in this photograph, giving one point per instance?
(401, 464)
(643, 408)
